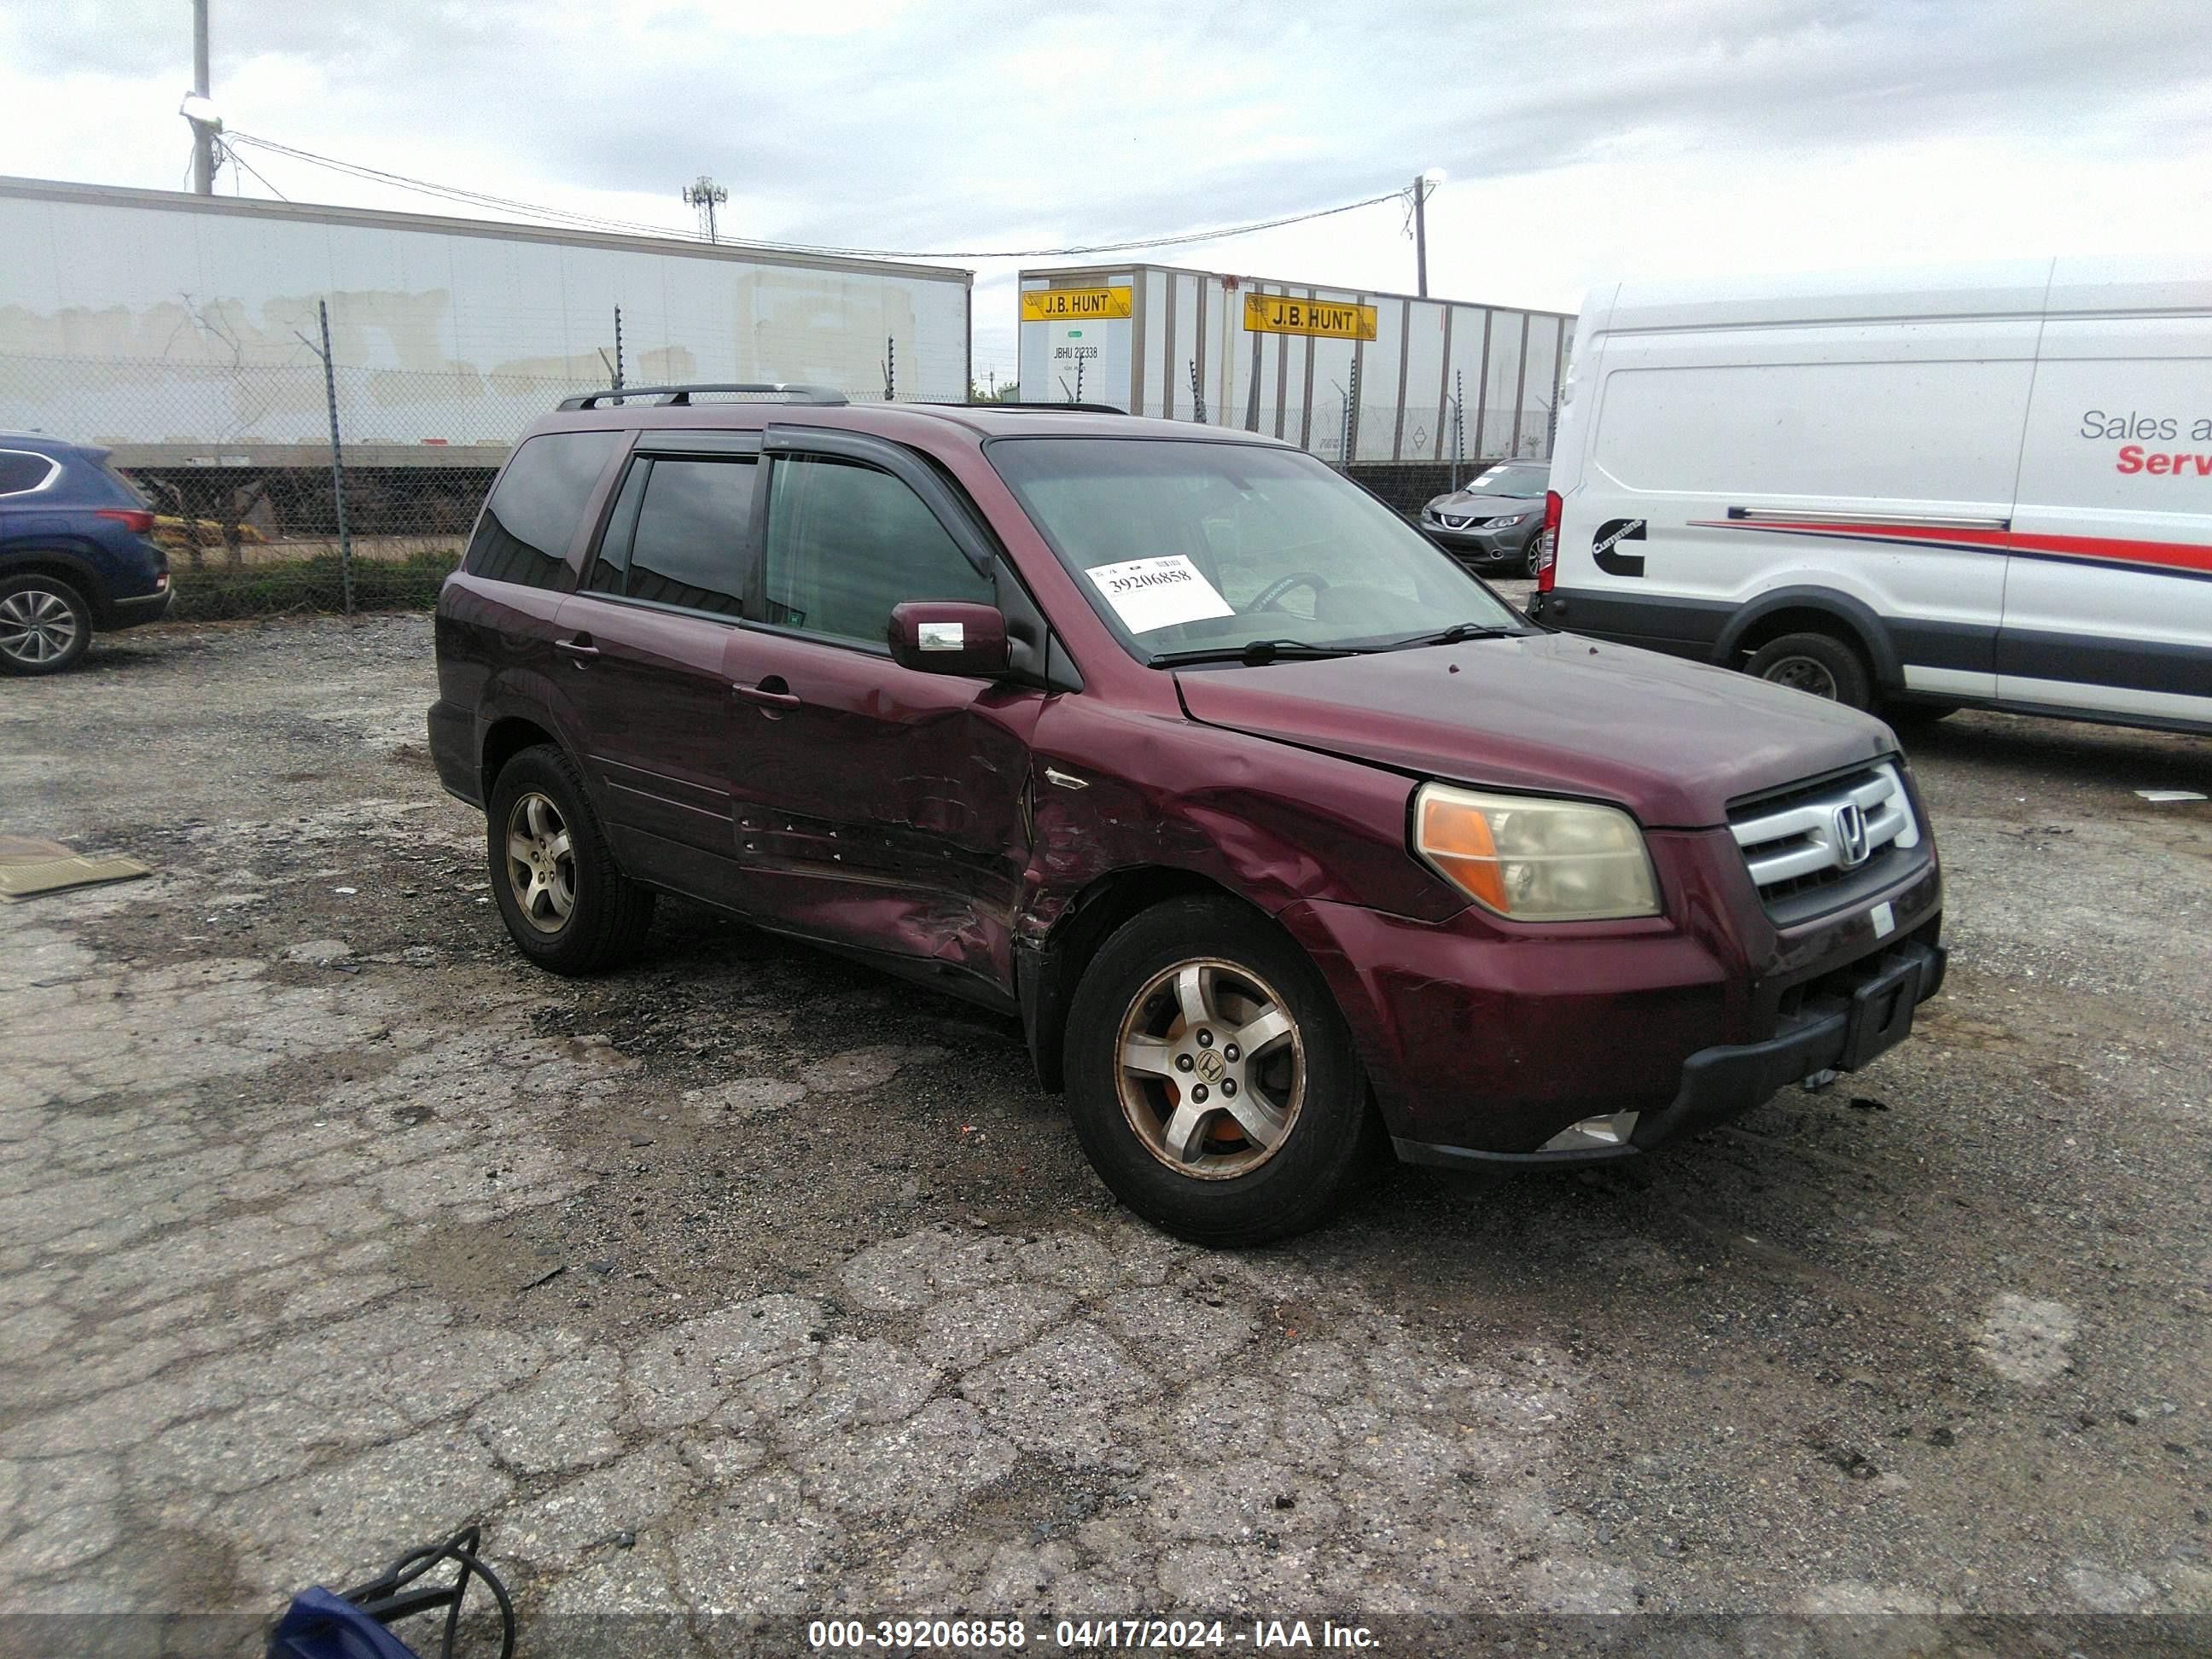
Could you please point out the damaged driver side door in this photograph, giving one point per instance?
(878, 808)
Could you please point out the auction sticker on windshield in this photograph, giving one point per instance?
(1149, 594)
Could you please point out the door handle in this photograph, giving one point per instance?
(580, 648)
(770, 693)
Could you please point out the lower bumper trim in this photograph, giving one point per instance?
(1474, 1158)
(1842, 1034)
(140, 608)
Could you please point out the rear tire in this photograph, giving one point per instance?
(1819, 664)
(45, 626)
(1282, 1130)
(567, 905)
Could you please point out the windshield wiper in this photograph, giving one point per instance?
(1253, 653)
(1454, 635)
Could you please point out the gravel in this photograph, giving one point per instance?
(747, 1281)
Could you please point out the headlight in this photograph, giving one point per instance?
(1536, 860)
(1510, 519)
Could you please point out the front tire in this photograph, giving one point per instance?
(1819, 664)
(1210, 1078)
(45, 626)
(567, 905)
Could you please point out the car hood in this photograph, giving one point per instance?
(1486, 506)
(1672, 741)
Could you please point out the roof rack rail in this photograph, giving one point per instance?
(785, 391)
(1079, 409)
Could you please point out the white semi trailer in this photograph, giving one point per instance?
(182, 331)
(1357, 377)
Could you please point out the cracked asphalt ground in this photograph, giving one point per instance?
(747, 1281)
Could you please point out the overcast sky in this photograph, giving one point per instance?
(1582, 140)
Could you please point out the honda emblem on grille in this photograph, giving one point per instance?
(1850, 835)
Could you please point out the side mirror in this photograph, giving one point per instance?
(943, 636)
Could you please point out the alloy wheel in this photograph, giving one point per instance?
(1213, 1068)
(37, 627)
(541, 863)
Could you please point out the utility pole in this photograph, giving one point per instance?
(203, 133)
(1421, 237)
(704, 194)
(1424, 187)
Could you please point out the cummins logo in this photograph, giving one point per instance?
(1610, 534)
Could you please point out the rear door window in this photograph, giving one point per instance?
(846, 542)
(680, 534)
(531, 521)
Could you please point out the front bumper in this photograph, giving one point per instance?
(1841, 1031)
(1482, 546)
(1486, 1040)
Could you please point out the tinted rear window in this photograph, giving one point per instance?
(21, 471)
(689, 548)
(529, 523)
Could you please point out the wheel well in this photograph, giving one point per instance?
(59, 567)
(1100, 908)
(1800, 619)
(507, 739)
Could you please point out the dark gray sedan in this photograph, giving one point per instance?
(1495, 520)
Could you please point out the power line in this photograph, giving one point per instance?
(595, 222)
(237, 161)
(452, 192)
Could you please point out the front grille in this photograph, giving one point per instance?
(1451, 522)
(1823, 841)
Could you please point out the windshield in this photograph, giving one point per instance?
(1187, 545)
(1518, 481)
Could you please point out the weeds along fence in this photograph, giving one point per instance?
(304, 485)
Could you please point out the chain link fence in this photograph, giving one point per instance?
(281, 486)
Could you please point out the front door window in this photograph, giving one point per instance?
(846, 542)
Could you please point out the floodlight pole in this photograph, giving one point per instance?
(202, 134)
(1421, 188)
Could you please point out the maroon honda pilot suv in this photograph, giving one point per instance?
(1276, 830)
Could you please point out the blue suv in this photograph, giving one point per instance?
(76, 553)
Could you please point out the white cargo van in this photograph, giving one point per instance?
(1986, 485)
